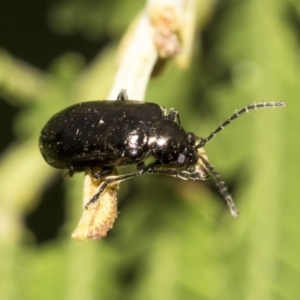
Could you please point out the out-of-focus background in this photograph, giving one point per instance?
(173, 239)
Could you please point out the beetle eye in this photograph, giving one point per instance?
(182, 160)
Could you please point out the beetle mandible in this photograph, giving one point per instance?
(102, 135)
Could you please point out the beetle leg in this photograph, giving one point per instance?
(70, 173)
(194, 173)
(163, 110)
(122, 95)
(109, 180)
(173, 115)
(97, 172)
(142, 168)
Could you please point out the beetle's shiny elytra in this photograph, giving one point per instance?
(108, 134)
(100, 133)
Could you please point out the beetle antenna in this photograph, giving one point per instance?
(222, 187)
(236, 114)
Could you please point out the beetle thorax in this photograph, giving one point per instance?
(170, 144)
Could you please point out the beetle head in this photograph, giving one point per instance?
(170, 144)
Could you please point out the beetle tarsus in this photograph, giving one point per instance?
(122, 95)
(109, 180)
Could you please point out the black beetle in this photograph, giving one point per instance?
(109, 134)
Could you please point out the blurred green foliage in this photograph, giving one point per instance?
(173, 239)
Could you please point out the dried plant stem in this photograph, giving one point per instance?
(98, 218)
(155, 34)
(137, 62)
